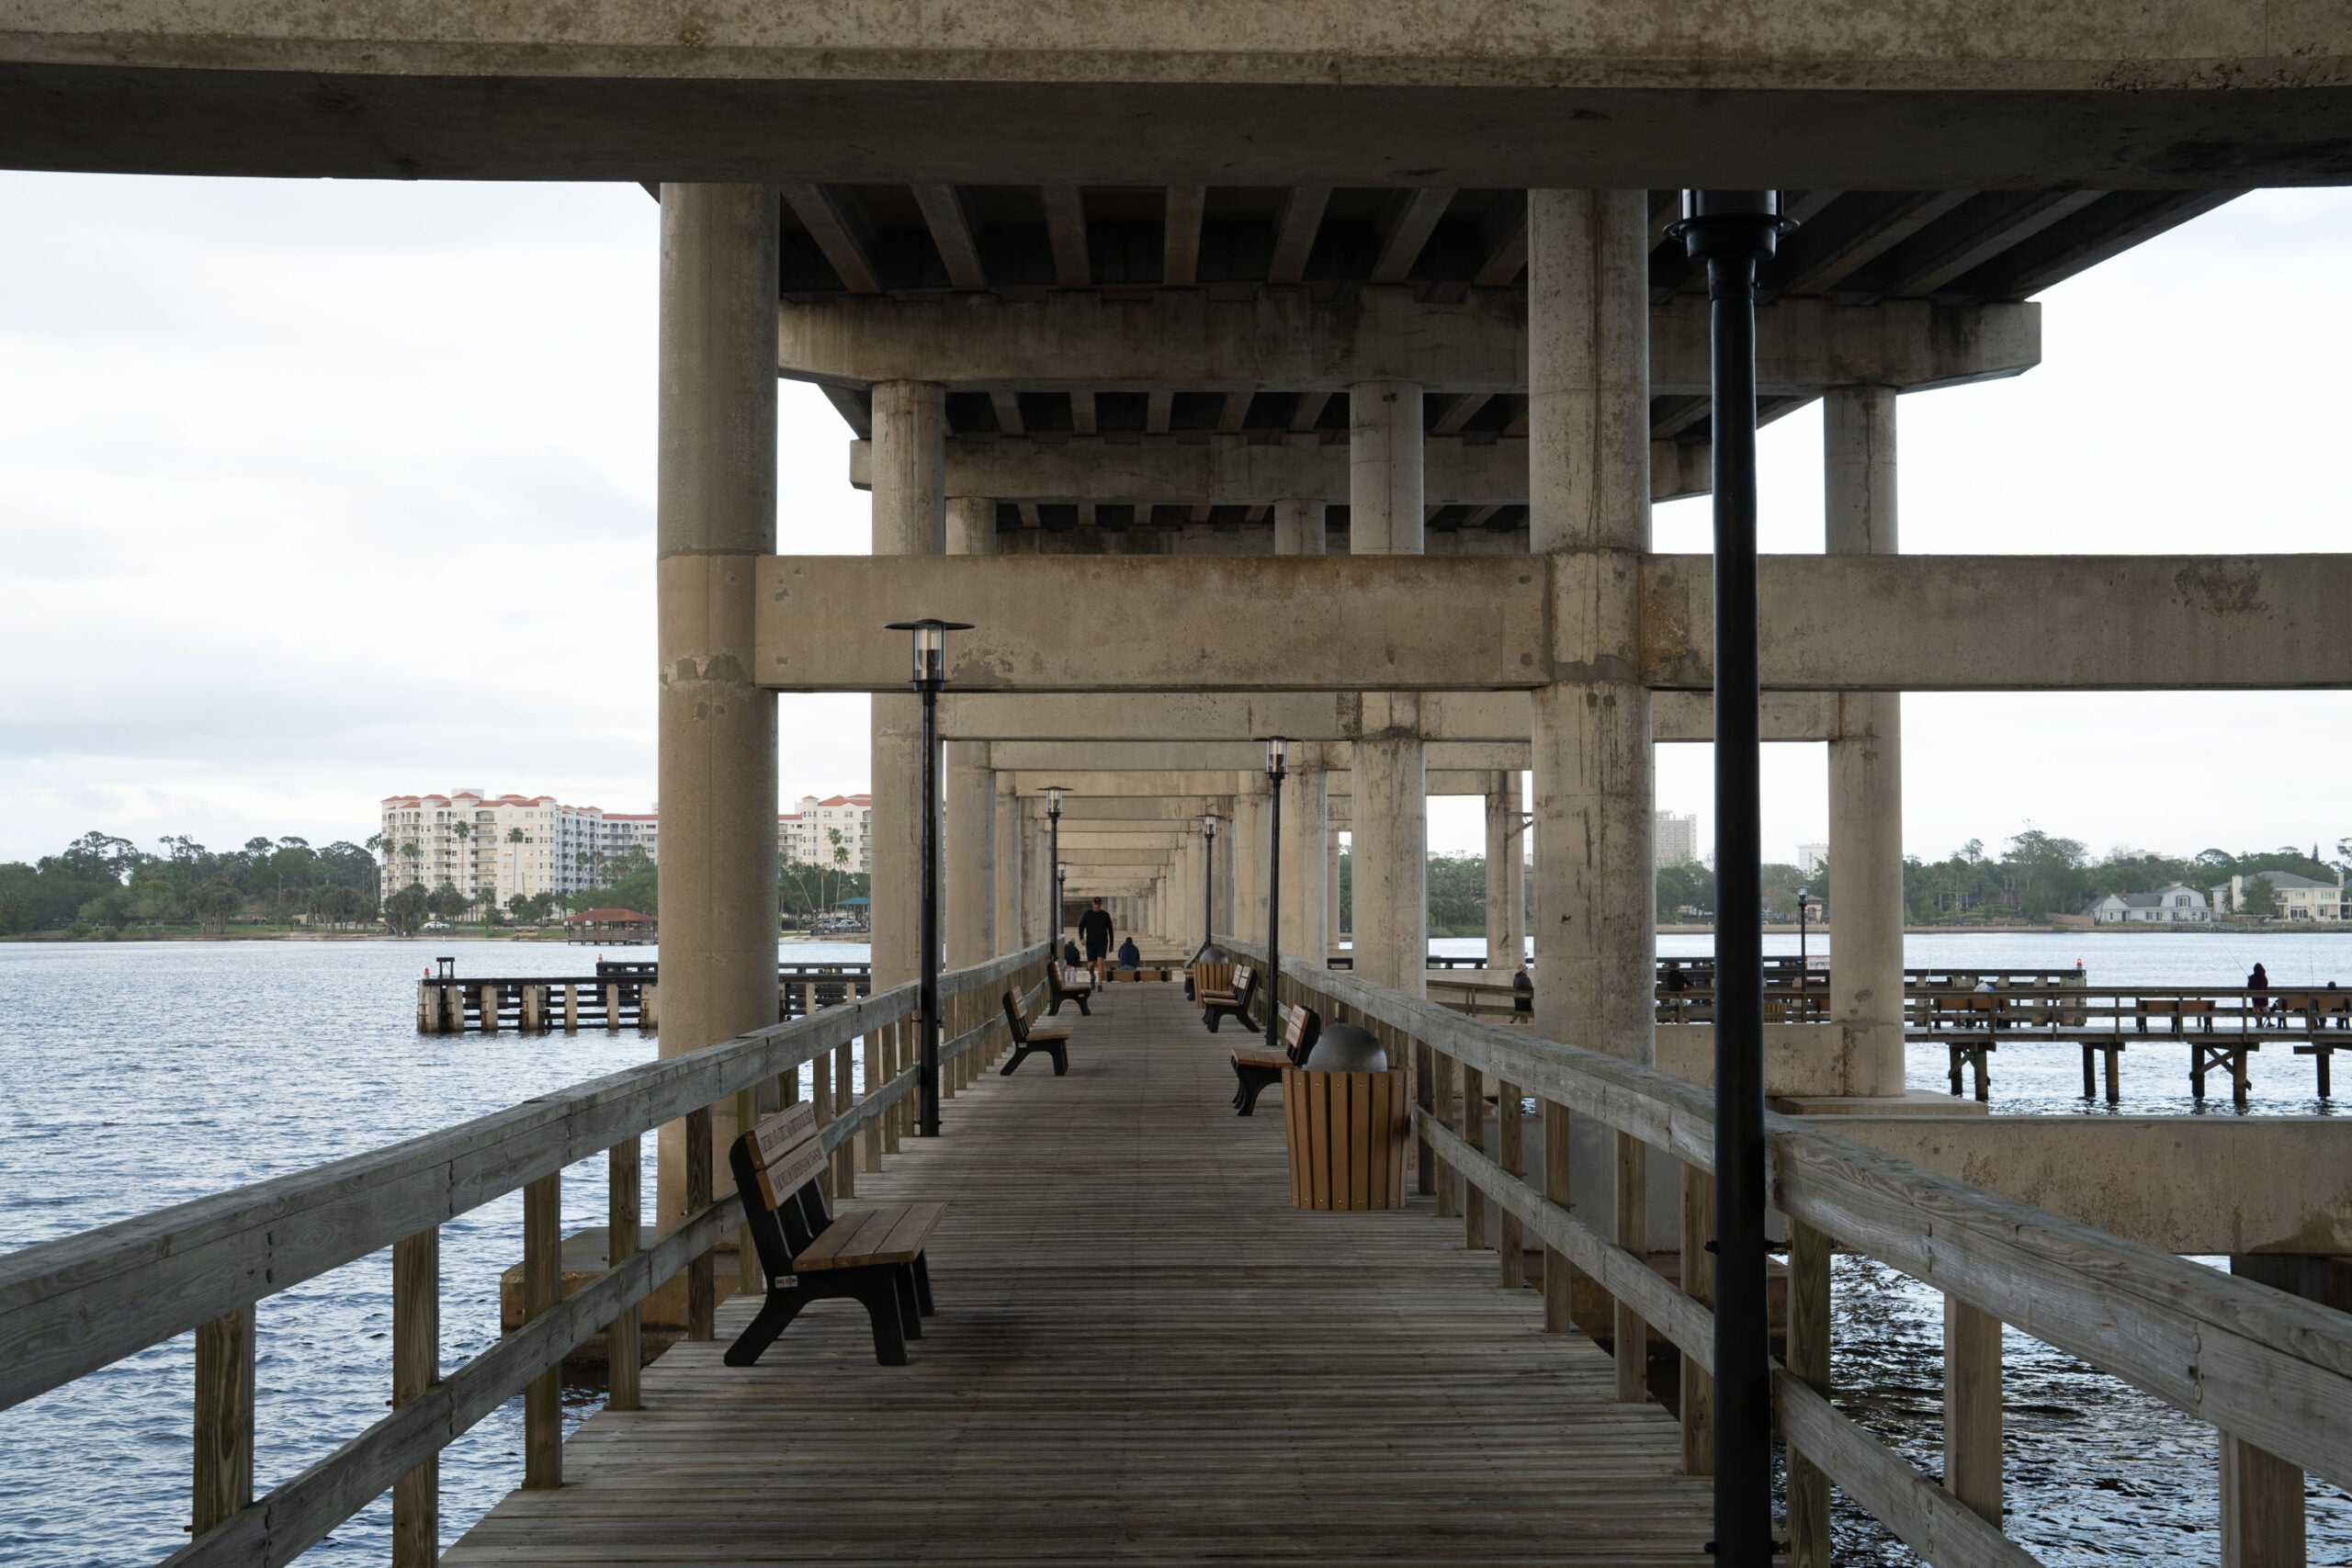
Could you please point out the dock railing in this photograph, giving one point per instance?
(2271, 1372)
(73, 1305)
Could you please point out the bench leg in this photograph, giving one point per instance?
(1245, 1095)
(1012, 1061)
(902, 1283)
(1054, 1008)
(1212, 1015)
(880, 1295)
(922, 1271)
(1083, 1010)
(774, 1316)
(1061, 1058)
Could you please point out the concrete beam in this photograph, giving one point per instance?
(1675, 716)
(1240, 756)
(2108, 94)
(1141, 622)
(2016, 623)
(2244, 1184)
(1830, 622)
(1229, 469)
(1190, 785)
(1182, 339)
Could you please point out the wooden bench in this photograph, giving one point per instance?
(872, 1255)
(1257, 1070)
(1203, 977)
(2179, 1010)
(1219, 1005)
(1053, 1039)
(1064, 984)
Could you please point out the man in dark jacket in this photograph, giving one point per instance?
(1094, 931)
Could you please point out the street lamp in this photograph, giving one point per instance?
(1061, 902)
(1277, 758)
(1208, 879)
(1054, 858)
(929, 674)
(1733, 231)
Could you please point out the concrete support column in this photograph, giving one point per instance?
(1011, 928)
(1391, 808)
(1298, 527)
(968, 861)
(1506, 875)
(1250, 835)
(715, 516)
(1589, 487)
(1865, 766)
(1331, 916)
(909, 519)
(1306, 807)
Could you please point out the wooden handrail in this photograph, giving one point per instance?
(2258, 1364)
(72, 1305)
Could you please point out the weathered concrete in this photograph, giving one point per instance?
(2186, 1184)
(1230, 469)
(1493, 717)
(1306, 825)
(1506, 874)
(1390, 809)
(909, 519)
(1299, 525)
(1594, 946)
(1190, 340)
(1148, 756)
(1865, 764)
(1251, 837)
(1953, 95)
(1011, 824)
(968, 848)
(1831, 623)
(715, 515)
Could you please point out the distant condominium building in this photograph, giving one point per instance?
(1811, 858)
(836, 833)
(503, 845)
(1678, 838)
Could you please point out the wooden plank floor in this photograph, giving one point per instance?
(1142, 1355)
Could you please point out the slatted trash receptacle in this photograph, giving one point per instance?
(1347, 1134)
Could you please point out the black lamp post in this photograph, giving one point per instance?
(1061, 901)
(1277, 758)
(1733, 231)
(1053, 860)
(1208, 879)
(930, 673)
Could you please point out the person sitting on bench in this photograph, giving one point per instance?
(872, 1255)
(1130, 956)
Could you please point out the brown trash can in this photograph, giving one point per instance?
(1347, 1134)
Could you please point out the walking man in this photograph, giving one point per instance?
(1094, 931)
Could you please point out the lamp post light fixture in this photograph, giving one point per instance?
(930, 675)
(1277, 770)
(1804, 903)
(1733, 231)
(1061, 902)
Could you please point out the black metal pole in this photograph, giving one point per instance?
(927, 1112)
(1732, 230)
(1273, 987)
(1208, 889)
(1053, 879)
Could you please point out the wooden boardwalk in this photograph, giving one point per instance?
(1142, 1356)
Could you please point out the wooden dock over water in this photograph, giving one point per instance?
(1143, 1354)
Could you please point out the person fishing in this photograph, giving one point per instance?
(2257, 987)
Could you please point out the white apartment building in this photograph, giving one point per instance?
(1678, 838)
(504, 845)
(1811, 858)
(806, 837)
(626, 831)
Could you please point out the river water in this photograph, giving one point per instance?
(135, 1075)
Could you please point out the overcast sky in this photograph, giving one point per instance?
(312, 492)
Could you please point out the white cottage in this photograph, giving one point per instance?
(2170, 906)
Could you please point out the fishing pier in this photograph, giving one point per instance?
(1262, 408)
(621, 994)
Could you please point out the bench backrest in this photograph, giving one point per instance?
(1301, 1027)
(1211, 976)
(776, 1165)
(1067, 979)
(1245, 980)
(1016, 1015)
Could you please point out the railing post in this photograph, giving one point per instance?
(1424, 1096)
(844, 1096)
(1441, 1079)
(820, 1094)
(748, 1276)
(542, 1291)
(886, 1038)
(1699, 1284)
(1512, 1246)
(702, 1274)
(1632, 1336)
(1809, 1363)
(2262, 1508)
(416, 1367)
(1474, 1132)
(1558, 1286)
(1973, 1408)
(224, 1418)
(623, 1350)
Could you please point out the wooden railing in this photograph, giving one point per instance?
(70, 1306)
(2271, 1372)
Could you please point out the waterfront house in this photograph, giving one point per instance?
(2299, 897)
(2170, 906)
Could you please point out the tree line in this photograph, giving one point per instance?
(103, 882)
